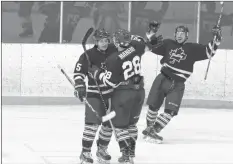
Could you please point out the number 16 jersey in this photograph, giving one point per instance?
(124, 65)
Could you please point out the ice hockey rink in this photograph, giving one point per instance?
(52, 135)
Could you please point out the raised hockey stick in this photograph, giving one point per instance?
(218, 23)
(105, 118)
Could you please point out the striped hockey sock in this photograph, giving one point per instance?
(123, 138)
(105, 135)
(133, 132)
(162, 120)
(88, 136)
(151, 117)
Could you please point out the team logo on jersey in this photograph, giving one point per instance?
(103, 66)
(177, 55)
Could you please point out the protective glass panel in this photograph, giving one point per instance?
(30, 22)
(170, 14)
(108, 15)
(210, 12)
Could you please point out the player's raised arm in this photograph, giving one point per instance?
(203, 52)
(155, 43)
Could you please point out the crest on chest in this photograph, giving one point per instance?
(176, 55)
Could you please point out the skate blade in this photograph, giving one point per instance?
(131, 160)
(85, 162)
(101, 161)
(125, 162)
(152, 140)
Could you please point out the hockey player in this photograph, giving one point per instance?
(97, 56)
(123, 72)
(177, 66)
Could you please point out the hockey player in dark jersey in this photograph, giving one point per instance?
(97, 56)
(123, 72)
(177, 66)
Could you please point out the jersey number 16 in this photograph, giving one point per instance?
(132, 67)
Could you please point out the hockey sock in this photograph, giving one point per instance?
(123, 138)
(88, 136)
(162, 120)
(105, 135)
(151, 117)
(133, 131)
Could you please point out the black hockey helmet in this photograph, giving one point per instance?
(100, 34)
(154, 26)
(122, 37)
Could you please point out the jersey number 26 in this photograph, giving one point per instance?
(131, 67)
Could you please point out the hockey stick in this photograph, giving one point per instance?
(218, 23)
(102, 119)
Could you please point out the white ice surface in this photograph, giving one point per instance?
(52, 135)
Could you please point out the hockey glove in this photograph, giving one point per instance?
(80, 89)
(152, 39)
(217, 31)
(153, 26)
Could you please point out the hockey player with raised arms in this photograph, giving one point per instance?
(177, 66)
(123, 72)
(97, 56)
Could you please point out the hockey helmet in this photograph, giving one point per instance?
(182, 28)
(100, 34)
(153, 26)
(122, 38)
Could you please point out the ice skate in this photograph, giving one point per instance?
(151, 136)
(132, 152)
(125, 158)
(102, 155)
(86, 158)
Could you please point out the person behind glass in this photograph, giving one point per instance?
(24, 12)
(72, 14)
(105, 15)
(141, 16)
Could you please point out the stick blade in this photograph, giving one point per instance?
(109, 116)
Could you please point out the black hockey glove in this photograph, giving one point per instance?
(217, 31)
(152, 39)
(154, 26)
(80, 89)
